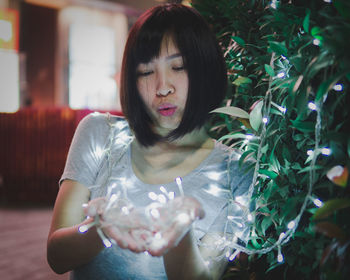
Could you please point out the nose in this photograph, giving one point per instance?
(164, 86)
(165, 91)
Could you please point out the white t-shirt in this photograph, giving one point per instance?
(100, 157)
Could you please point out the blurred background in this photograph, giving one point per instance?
(59, 61)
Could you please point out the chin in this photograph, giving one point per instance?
(165, 128)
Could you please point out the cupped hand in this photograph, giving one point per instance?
(155, 228)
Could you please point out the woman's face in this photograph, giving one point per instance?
(163, 86)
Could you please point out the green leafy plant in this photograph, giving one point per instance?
(287, 109)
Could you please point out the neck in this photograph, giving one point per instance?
(191, 141)
(164, 161)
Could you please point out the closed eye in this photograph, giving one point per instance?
(178, 68)
(144, 73)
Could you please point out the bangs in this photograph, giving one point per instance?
(157, 27)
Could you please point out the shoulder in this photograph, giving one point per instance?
(233, 156)
(101, 122)
(101, 119)
(240, 171)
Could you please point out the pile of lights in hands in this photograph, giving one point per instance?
(154, 228)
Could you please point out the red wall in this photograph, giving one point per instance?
(33, 148)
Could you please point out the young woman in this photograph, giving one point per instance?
(173, 75)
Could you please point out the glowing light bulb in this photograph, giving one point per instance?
(249, 136)
(178, 181)
(312, 106)
(183, 218)
(282, 235)
(83, 228)
(171, 195)
(316, 42)
(273, 4)
(318, 202)
(338, 87)
(281, 75)
(125, 210)
(327, 1)
(120, 125)
(310, 152)
(234, 255)
(105, 240)
(161, 198)
(291, 225)
(283, 109)
(326, 151)
(250, 217)
(213, 175)
(155, 213)
(280, 257)
(107, 243)
(152, 195)
(265, 120)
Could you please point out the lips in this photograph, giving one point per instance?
(167, 109)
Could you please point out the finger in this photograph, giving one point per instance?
(116, 235)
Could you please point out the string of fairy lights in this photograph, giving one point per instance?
(227, 240)
(292, 225)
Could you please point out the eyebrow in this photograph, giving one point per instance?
(170, 57)
(175, 55)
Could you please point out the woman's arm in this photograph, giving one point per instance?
(67, 248)
(188, 261)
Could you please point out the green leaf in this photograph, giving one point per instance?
(266, 223)
(232, 111)
(308, 168)
(316, 31)
(268, 173)
(242, 80)
(330, 206)
(303, 126)
(233, 136)
(273, 266)
(255, 116)
(245, 155)
(343, 8)
(306, 21)
(239, 41)
(279, 48)
(328, 84)
(264, 149)
(269, 70)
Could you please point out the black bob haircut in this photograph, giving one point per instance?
(203, 61)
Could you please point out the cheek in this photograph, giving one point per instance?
(145, 90)
(183, 83)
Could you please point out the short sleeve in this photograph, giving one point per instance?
(87, 148)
